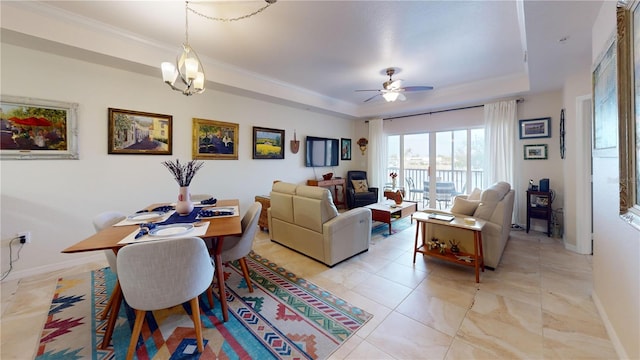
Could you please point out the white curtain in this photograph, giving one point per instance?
(377, 158)
(500, 125)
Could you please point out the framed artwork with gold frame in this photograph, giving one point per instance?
(628, 60)
(139, 133)
(214, 140)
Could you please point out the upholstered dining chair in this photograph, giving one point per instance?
(161, 274)
(103, 221)
(237, 247)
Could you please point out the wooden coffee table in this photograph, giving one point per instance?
(387, 211)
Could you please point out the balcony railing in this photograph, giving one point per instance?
(458, 177)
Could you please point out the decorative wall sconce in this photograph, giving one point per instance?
(295, 144)
(362, 142)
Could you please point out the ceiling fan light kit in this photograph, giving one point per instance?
(392, 90)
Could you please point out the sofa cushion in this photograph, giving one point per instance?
(495, 192)
(475, 194)
(485, 209)
(464, 206)
(360, 186)
(328, 208)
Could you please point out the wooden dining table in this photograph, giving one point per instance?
(109, 238)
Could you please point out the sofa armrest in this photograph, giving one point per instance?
(374, 189)
(345, 218)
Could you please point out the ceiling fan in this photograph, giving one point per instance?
(392, 90)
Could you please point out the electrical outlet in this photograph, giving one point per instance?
(27, 236)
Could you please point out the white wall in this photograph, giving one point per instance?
(616, 253)
(56, 199)
(535, 106)
(576, 165)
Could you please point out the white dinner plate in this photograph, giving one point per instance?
(145, 215)
(170, 230)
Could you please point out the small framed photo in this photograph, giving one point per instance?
(535, 152)
(214, 140)
(139, 133)
(535, 128)
(345, 149)
(37, 129)
(268, 143)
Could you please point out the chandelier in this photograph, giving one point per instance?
(188, 66)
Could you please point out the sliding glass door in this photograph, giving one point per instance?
(434, 167)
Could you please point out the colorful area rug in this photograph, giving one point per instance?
(382, 229)
(285, 317)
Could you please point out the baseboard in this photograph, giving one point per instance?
(570, 247)
(615, 341)
(39, 270)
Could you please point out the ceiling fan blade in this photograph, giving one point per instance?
(371, 98)
(366, 90)
(417, 88)
(401, 97)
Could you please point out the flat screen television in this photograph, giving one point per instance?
(321, 152)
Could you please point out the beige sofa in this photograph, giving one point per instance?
(305, 219)
(495, 206)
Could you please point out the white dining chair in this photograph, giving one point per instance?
(100, 222)
(237, 247)
(161, 274)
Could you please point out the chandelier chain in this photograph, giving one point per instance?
(186, 22)
(228, 19)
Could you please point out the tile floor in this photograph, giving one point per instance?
(536, 305)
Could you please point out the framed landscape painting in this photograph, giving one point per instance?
(37, 129)
(535, 152)
(214, 140)
(141, 133)
(268, 143)
(535, 128)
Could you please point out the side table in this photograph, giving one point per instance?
(539, 207)
(476, 258)
(263, 221)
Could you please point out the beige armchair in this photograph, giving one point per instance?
(495, 206)
(304, 218)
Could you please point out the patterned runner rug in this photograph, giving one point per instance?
(285, 317)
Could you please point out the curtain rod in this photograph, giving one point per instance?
(441, 111)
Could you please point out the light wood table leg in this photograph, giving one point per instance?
(113, 316)
(415, 243)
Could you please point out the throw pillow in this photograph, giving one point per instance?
(475, 194)
(485, 210)
(360, 186)
(463, 206)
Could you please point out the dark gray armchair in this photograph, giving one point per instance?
(359, 199)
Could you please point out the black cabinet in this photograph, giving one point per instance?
(539, 207)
